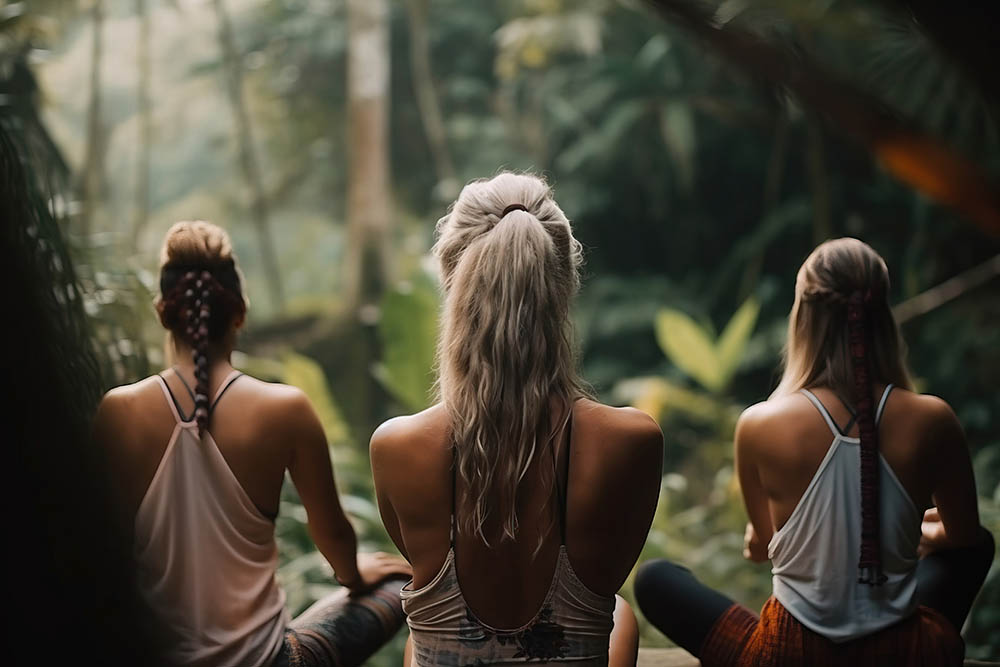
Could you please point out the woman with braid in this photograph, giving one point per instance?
(199, 454)
(859, 491)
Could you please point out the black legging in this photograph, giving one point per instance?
(685, 610)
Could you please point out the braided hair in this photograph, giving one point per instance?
(842, 335)
(201, 296)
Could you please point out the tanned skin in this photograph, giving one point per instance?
(614, 480)
(262, 429)
(781, 442)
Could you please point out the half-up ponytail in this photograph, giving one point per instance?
(506, 362)
(842, 335)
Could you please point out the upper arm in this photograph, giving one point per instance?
(619, 487)
(954, 484)
(109, 433)
(309, 465)
(751, 487)
(381, 446)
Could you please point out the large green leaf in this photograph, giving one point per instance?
(408, 331)
(689, 347)
(733, 341)
(694, 350)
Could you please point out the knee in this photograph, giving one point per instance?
(648, 581)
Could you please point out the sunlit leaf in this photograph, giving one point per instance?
(689, 347)
(733, 341)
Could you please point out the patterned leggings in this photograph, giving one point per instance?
(343, 630)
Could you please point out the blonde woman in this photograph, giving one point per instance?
(199, 453)
(521, 503)
(839, 471)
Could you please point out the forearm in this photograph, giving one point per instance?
(340, 546)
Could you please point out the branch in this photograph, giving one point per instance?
(950, 289)
(913, 157)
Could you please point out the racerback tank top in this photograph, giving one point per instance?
(815, 553)
(207, 555)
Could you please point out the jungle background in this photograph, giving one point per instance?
(701, 151)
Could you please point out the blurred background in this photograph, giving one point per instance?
(701, 151)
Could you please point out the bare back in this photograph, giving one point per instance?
(781, 443)
(614, 466)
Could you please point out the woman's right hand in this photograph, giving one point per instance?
(376, 567)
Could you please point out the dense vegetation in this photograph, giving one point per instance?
(696, 172)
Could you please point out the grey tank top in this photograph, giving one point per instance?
(815, 553)
(573, 623)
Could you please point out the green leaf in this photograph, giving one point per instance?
(689, 347)
(408, 332)
(733, 341)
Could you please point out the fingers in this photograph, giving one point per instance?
(932, 515)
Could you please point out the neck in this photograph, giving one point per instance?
(219, 357)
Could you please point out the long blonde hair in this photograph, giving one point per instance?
(506, 360)
(817, 352)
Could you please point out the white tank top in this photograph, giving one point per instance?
(815, 554)
(207, 556)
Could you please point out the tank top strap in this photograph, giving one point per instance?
(190, 391)
(451, 518)
(822, 410)
(881, 404)
(175, 407)
(226, 384)
(562, 482)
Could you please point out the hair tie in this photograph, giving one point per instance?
(513, 207)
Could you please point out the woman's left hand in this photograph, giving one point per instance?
(753, 549)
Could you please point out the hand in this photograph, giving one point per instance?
(753, 549)
(932, 534)
(374, 568)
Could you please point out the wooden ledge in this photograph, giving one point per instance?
(678, 657)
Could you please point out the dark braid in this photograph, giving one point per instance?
(198, 319)
(870, 560)
(198, 308)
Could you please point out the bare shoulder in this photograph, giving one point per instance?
(277, 405)
(757, 425)
(408, 439)
(622, 432)
(122, 406)
(931, 415)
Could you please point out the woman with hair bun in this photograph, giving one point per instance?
(199, 454)
(521, 503)
(859, 491)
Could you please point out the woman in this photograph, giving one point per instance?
(521, 503)
(199, 453)
(836, 470)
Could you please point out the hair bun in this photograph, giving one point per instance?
(196, 244)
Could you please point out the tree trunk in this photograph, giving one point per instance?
(248, 157)
(427, 101)
(141, 213)
(90, 182)
(368, 197)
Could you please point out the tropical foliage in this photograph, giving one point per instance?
(701, 150)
